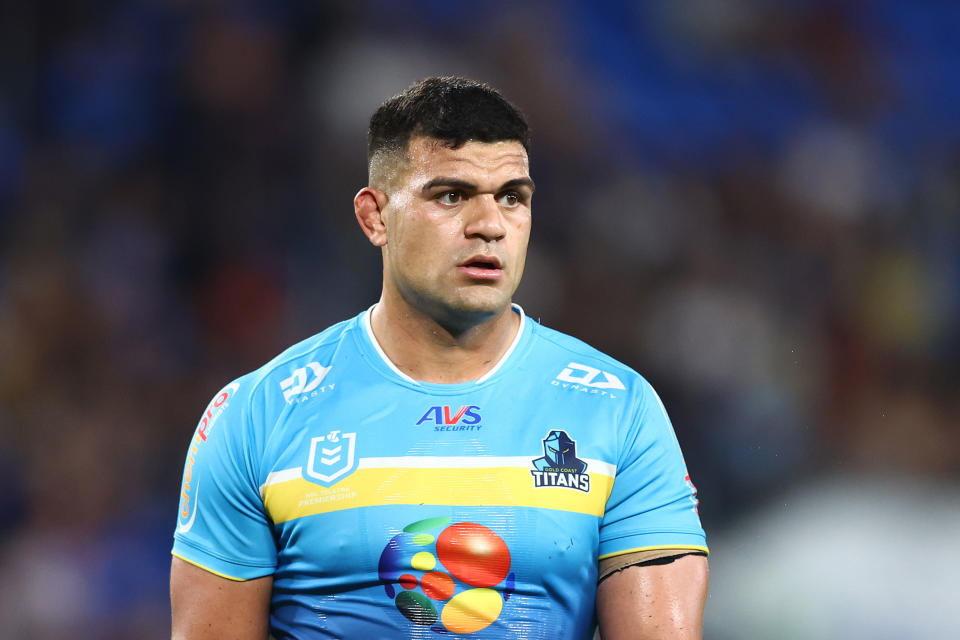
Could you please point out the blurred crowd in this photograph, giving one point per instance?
(755, 204)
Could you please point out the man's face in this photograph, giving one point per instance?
(457, 225)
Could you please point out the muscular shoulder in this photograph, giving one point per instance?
(301, 369)
(245, 412)
(257, 402)
(585, 368)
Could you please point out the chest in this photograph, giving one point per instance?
(499, 446)
(408, 502)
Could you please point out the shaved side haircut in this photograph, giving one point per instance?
(452, 110)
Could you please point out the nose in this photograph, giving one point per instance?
(484, 219)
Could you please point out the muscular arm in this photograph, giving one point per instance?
(656, 602)
(208, 607)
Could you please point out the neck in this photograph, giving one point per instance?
(429, 350)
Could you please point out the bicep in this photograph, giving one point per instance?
(654, 602)
(208, 607)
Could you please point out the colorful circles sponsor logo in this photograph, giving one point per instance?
(452, 578)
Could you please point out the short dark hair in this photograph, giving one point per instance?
(451, 109)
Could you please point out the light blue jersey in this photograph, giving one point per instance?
(390, 508)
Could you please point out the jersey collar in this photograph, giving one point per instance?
(368, 330)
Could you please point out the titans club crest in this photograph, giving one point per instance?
(559, 466)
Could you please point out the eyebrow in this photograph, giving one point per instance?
(456, 183)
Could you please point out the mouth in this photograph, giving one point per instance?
(481, 267)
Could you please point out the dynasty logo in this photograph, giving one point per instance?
(303, 385)
(585, 379)
(560, 466)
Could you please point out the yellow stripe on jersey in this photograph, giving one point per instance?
(480, 486)
(658, 547)
(205, 568)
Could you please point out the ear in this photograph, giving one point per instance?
(368, 206)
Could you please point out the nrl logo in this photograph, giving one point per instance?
(332, 456)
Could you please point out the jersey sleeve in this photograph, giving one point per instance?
(653, 504)
(222, 525)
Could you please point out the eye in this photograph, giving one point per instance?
(450, 197)
(510, 199)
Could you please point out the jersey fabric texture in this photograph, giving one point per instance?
(384, 507)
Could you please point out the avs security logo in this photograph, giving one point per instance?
(190, 490)
(586, 379)
(559, 466)
(447, 418)
(332, 456)
(452, 578)
(305, 383)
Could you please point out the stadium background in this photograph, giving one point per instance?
(753, 203)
